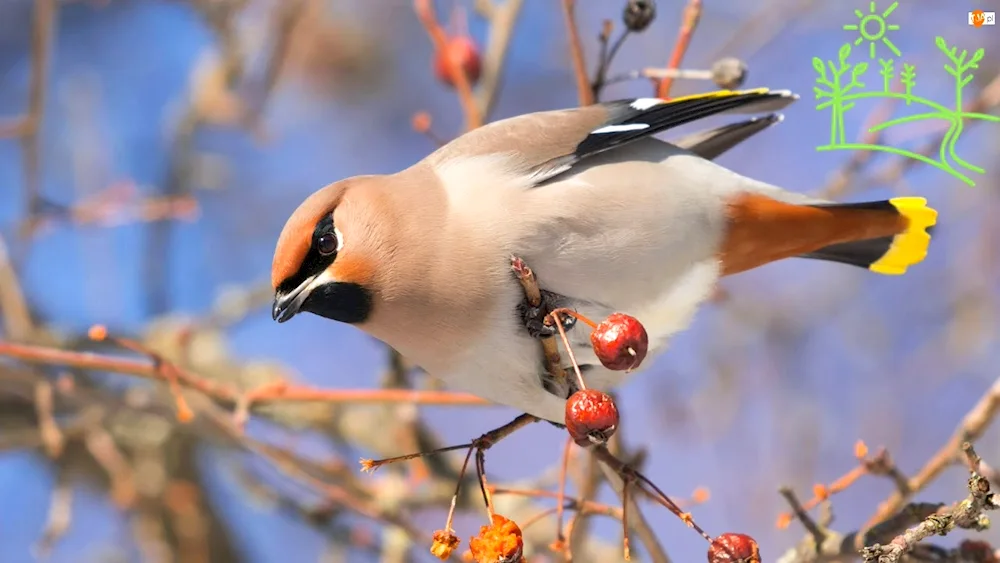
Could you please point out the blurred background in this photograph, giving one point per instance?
(152, 150)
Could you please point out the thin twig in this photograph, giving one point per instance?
(571, 503)
(642, 482)
(41, 45)
(425, 12)
(969, 514)
(625, 548)
(880, 464)
(563, 476)
(580, 524)
(818, 534)
(225, 393)
(638, 521)
(52, 436)
(973, 425)
(606, 57)
(15, 317)
(502, 19)
(60, 515)
(286, 21)
(103, 449)
(689, 22)
(586, 95)
(484, 442)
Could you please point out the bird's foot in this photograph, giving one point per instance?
(536, 320)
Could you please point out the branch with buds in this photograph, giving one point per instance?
(906, 531)
(637, 15)
(457, 59)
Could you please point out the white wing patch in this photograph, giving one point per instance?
(642, 104)
(621, 128)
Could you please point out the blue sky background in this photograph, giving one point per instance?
(771, 388)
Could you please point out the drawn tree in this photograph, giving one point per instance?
(887, 73)
(909, 77)
(961, 81)
(837, 90)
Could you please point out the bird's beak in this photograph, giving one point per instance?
(287, 305)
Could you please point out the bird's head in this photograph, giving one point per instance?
(326, 256)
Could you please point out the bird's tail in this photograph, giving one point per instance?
(891, 254)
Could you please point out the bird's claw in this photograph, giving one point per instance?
(536, 320)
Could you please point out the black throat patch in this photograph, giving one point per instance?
(340, 301)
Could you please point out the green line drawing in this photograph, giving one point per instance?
(864, 24)
(840, 86)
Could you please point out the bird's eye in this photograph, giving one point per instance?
(326, 244)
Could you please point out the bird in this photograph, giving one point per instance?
(609, 218)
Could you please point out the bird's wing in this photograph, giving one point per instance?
(712, 143)
(543, 145)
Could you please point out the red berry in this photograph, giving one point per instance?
(977, 550)
(591, 417)
(620, 342)
(463, 50)
(733, 548)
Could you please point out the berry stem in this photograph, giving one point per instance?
(630, 474)
(483, 485)
(160, 365)
(479, 445)
(458, 489)
(625, 549)
(484, 442)
(575, 315)
(569, 349)
(370, 465)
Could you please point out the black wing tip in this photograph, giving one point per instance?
(637, 102)
(751, 92)
(769, 119)
(768, 93)
(785, 94)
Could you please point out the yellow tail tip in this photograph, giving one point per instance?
(910, 246)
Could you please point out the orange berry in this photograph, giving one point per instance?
(97, 332)
(445, 542)
(500, 542)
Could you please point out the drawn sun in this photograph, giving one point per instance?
(873, 27)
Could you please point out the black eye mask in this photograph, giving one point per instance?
(314, 262)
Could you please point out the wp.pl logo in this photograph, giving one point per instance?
(979, 18)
